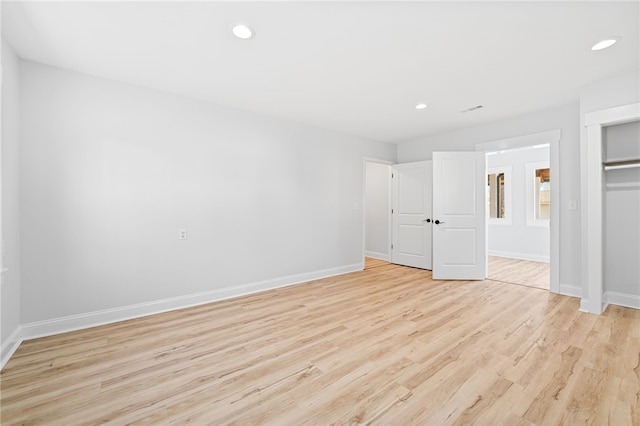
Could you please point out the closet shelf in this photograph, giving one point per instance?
(621, 164)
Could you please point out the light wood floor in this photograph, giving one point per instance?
(385, 346)
(523, 272)
(370, 262)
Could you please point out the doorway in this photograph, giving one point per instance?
(610, 177)
(377, 213)
(518, 189)
(523, 207)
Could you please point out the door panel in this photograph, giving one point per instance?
(411, 233)
(459, 234)
(458, 178)
(460, 247)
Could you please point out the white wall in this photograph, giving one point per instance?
(609, 93)
(622, 141)
(565, 118)
(619, 90)
(10, 263)
(517, 239)
(111, 172)
(377, 205)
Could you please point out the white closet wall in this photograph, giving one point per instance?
(621, 212)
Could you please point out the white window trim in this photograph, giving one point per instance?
(507, 219)
(529, 182)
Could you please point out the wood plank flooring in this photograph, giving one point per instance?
(370, 262)
(522, 272)
(387, 346)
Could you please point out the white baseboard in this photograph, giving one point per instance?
(376, 255)
(584, 306)
(621, 299)
(521, 256)
(9, 346)
(570, 290)
(614, 298)
(108, 316)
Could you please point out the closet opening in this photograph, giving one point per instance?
(621, 213)
(611, 230)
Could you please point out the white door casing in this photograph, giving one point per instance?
(411, 214)
(459, 223)
(592, 233)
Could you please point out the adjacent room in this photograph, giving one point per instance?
(314, 212)
(518, 215)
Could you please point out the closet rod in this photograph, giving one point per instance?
(623, 164)
(623, 185)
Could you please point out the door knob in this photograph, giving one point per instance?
(427, 220)
(437, 222)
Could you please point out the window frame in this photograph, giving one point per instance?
(508, 185)
(530, 182)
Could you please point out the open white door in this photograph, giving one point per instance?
(459, 223)
(411, 214)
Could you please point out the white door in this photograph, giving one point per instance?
(459, 223)
(411, 214)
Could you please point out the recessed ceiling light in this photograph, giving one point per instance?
(421, 106)
(242, 31)
(604, 43)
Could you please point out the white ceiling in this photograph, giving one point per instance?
(355, 67)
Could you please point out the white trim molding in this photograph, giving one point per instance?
(621, 299)
(584, 305)
(9, 346)
(570, 290)
(108, 316)
(548, 137)
(611, 116)
(594, 301)
(376, 255)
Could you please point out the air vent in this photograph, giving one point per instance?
(472, 108)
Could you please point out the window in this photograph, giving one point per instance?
(542, 194)
(538, 185)
(495, 196)
(499, 195)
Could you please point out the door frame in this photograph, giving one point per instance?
(593, 300)
(552, 138)
(366, 160)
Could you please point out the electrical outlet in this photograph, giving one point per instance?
(182, 234)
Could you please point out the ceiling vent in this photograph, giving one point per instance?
(473, 108)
